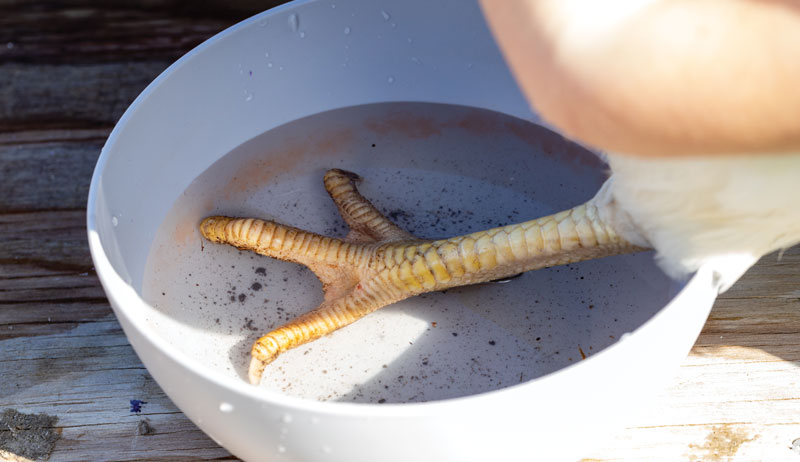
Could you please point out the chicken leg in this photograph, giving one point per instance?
(378, 264)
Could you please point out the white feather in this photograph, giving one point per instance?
(725, 211)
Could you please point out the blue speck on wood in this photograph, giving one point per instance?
(136, 405)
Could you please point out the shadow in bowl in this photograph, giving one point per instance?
(474, 343)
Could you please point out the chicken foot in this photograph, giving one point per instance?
(378, 263)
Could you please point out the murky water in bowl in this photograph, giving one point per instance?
(437, 171)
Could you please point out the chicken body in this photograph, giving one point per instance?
(723, 211)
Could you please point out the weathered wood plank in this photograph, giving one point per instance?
(21, 270)
(776, 275)
(718, 442)
(48, 288)
(51, 239)
(39, 296)
(80, 31)
(47, 176)
(82, 96)
(719, 410)
(22, 137)
(47, 284)
(86, 377)
(763, 316)
(736, 398)
(43, 318)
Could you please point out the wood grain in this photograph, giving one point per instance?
(737, 396)
(88, 95)
(69, 69)
(87, 377)
(117, 31)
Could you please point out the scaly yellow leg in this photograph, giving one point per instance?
(378, 264)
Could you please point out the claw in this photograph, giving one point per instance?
(256, 369)
(378, 263)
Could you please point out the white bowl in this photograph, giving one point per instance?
(262, 109)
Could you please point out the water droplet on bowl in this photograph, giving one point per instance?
(294, 22)
(225, 407)
(281, 448)
(114, 221)
(266, 54)
(346, 31)
(390, 79)
(302, 34)
(269, 64)
(287, 418)
(248, 96)
(385, 15)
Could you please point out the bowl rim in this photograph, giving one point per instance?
(125, 306)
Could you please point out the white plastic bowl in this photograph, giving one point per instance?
(240, 92)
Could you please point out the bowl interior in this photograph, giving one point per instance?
(438, 171)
